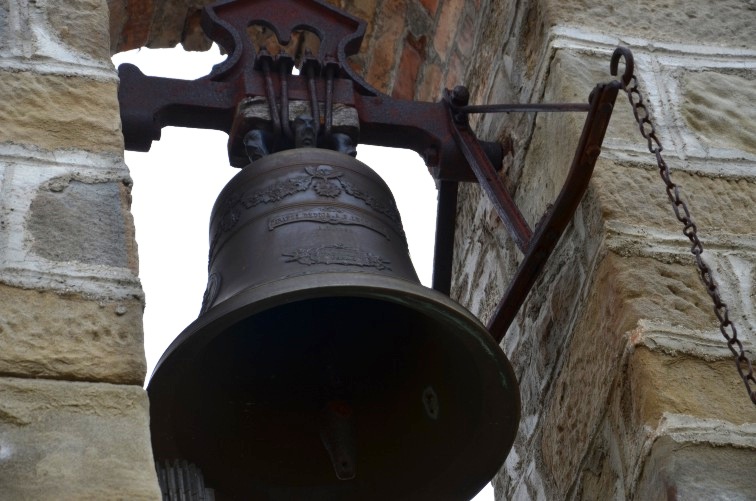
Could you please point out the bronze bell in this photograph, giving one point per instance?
(320, 368)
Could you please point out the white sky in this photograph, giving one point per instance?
(175, 186)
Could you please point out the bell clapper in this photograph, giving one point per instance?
(337, 435)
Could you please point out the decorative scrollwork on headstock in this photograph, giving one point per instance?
(339, 33)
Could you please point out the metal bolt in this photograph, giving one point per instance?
(460, 96)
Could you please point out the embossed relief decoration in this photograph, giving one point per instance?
(211, 291)
(324, 180)
(337, 254)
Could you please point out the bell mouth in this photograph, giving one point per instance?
(245, 391)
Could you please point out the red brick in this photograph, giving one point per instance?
(455, 71)
(446, 28)
(391, 26)
(430, 6)
(430, 88)
(409, 68)
(136, 30)
(365, 8)
(466, 36)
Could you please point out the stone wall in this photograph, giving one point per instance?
(627, 387)
(73, 414)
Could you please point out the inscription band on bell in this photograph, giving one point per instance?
(327, 215)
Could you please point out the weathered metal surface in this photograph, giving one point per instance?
(312, 309)
(150, 103)
(320, 368)
(181, 480)
(484, 171)
(437, 131)
(446, 218)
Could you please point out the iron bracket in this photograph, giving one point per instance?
(439, 131)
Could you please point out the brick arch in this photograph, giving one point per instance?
(412, 48)
(156, 24)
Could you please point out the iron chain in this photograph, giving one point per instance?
(726, 326)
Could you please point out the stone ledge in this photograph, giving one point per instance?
(106, 164)
(708, 345)
(91, 282)
(83, 441)
(681, 469)
(94, 70)
(674, 53)
(720, 163)
(683, 428)
(726, 22)
(642, 463)
(659, 384)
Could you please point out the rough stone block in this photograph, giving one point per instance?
(117, 18)
(364, 9)
(665, 293)
(555, 137)
(194, 38)
(455, 71)
(391, 25)
(680, 470)
(82, 25)
(4, 35)
(44, 33)
(626, 292)
(602, 475)
(67, 223)
(130, 24)
(493, 25)
(430, 86)
(659, 383)
(59, 112)
(580, 389)
(409, 68)
(66, 440)
(719, 108)
(446, 27)
(50, 335)
(70, 220)
(466, 35)
(168, 23)
(725, 22)
(720, 206)
(572, 77)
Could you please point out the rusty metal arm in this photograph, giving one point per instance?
(150, 103)
(488, 178)
(422, 127)
(555, 221)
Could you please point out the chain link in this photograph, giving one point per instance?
(726, 326)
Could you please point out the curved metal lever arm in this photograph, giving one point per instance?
(553, 223)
